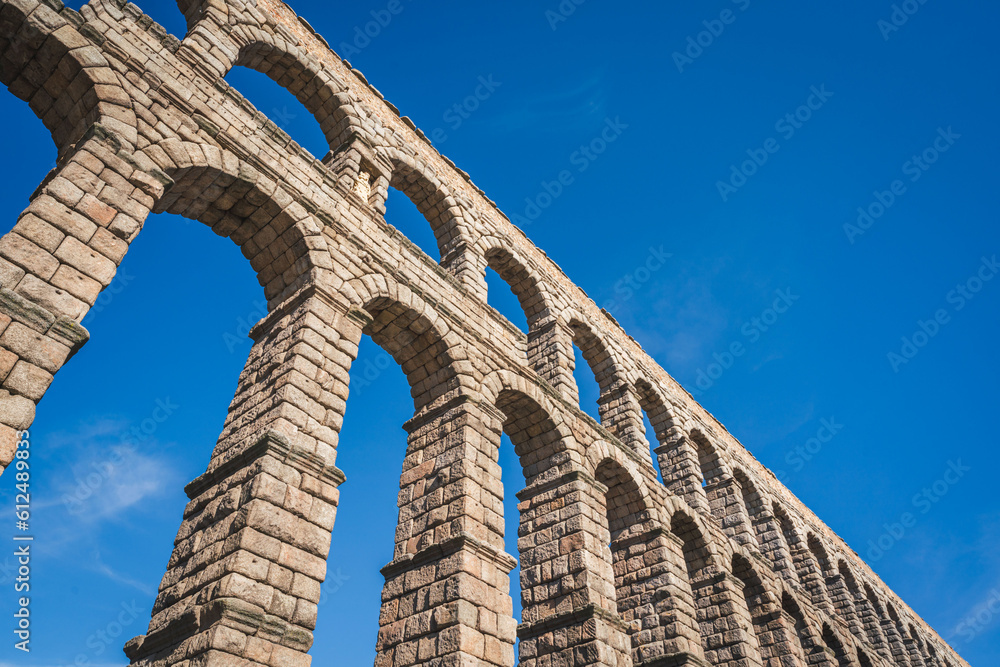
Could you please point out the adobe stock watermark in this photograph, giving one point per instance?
(810, 449)
(632, 282)
(331, 586)
(88, 484)
(107, 296)
(913, 169)
(900, 15)
(562, 12)
(786, 126)
(460, 112)
(239, 335)
(958, 298)
(697, 43)
(365, 34)
(581, 159)
(981, 617)
(705, 378)
(923, 502)
(109, 637)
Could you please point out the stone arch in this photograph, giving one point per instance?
(835, 646)
(748, 512)
(863, 610)
(567, 579)
(636, 551)
(660, 412)
(319, 90)
(663, 420)
(909, 643)
(525, 282)
(41, 51)
(784, 547)
(274, 232)
(435, 361)
(804, 644)
(450, 219)
(618, 406)
(759, 608)
(895, 641)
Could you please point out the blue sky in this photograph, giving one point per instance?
(689, 268)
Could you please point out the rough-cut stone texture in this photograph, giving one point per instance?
(718, 565)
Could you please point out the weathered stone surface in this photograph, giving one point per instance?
(719, 564)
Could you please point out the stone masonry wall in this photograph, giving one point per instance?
(718, 565)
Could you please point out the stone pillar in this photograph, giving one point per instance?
(773, 545)
(897, 646)
(779, 641)
(569, 615)
(361, 171)
(243, 582)
(843, 602)
(810, 575)
(655, 600)
(787, 640)
(726, 626)
(447, 593)
(621, 414)
(550, 353)
(725, 498)
(681, 472)
(64, 249)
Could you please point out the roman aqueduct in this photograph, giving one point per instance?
(717, 565)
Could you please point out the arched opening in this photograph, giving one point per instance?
(267, 89)
(439, 210)
(561, 541)
(403, 214)
(864, 611)
(514, 292)
(863, 659)
(818, 570)
(752, 505)
(787, 553)
(658, 423)
(756, 605)
(836, 647)
(698, 562)
(803, 643)
(709, 464)
(125, 425)
(315, 90)
(378, 404)
(587, 373)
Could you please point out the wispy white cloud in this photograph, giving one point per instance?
(124, 579)
(688, 322)
(98, 474)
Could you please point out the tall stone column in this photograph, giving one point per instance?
(621, 414)
(655, 600)
(550, 352)
(726, 501)
(843, 602)
(446, 598)
(773, 545)
(681, 471)
(725, 621)
(243, 582)
(64, 249)
(569, 615)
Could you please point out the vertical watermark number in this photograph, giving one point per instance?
(22, 546)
